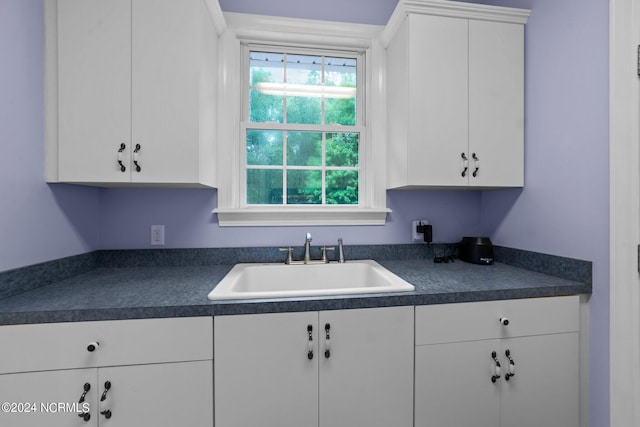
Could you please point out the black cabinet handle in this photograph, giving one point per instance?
(123, 168)
(84, 415)
(477, 162)
(107, 387)
(310, 342)
(497, 367)
(512, 366)
(135, 157)
(327, 341)
(465, 164)
(87, 387)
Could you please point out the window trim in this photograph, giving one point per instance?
(304, 34)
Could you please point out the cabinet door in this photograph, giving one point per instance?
(544, 390)
(39, 394)
(94, 89)
(453, 386)
(263, 375)
(165, 90)
(366, 378)
(160, 395)
(496, 103)
(438, 100)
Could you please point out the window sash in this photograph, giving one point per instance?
(362, 147)
(360, 80)
(247, 125)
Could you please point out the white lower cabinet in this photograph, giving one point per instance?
(114, 373)
(512, 363)
(464, 375)
(168, 394)
(328, 368)
(26, 393)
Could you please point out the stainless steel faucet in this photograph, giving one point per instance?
(307, 248)
(340, 251)
(307, 253)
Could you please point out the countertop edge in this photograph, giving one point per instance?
(286, 305)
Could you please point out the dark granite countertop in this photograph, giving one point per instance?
(130, 292)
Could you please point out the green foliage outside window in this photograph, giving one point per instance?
(303, 159)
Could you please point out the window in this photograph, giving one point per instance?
(293, 145)
(302, 128)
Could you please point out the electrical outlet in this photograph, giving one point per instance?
(417, 236)
(157, 235)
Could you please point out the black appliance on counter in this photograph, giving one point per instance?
(476, 250)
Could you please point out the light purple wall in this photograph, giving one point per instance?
(376, 12)
(37, 222)
(564, 207)
(127, 214)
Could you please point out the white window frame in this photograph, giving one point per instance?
(242, 30)
(358, 128)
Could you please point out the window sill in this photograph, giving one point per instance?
(264, 216)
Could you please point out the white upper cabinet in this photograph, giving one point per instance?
(136, 92)
(455, 87)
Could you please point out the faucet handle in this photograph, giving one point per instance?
(289, 251)
(324, 252)
(308, 238)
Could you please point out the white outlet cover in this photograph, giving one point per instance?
(157, 235)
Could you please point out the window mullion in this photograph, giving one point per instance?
(323, 121)
(324, 168)
(285, 138)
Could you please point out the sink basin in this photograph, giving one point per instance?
(281, 280)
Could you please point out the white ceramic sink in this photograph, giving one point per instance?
(281, 280)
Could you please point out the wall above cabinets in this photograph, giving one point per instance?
(131, 91)
(455, 87)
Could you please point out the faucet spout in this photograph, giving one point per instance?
(307, 248)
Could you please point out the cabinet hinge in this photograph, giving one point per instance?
(638, 258)
(638, 66)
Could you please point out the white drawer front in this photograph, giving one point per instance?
(482, 320)
(120, 342)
